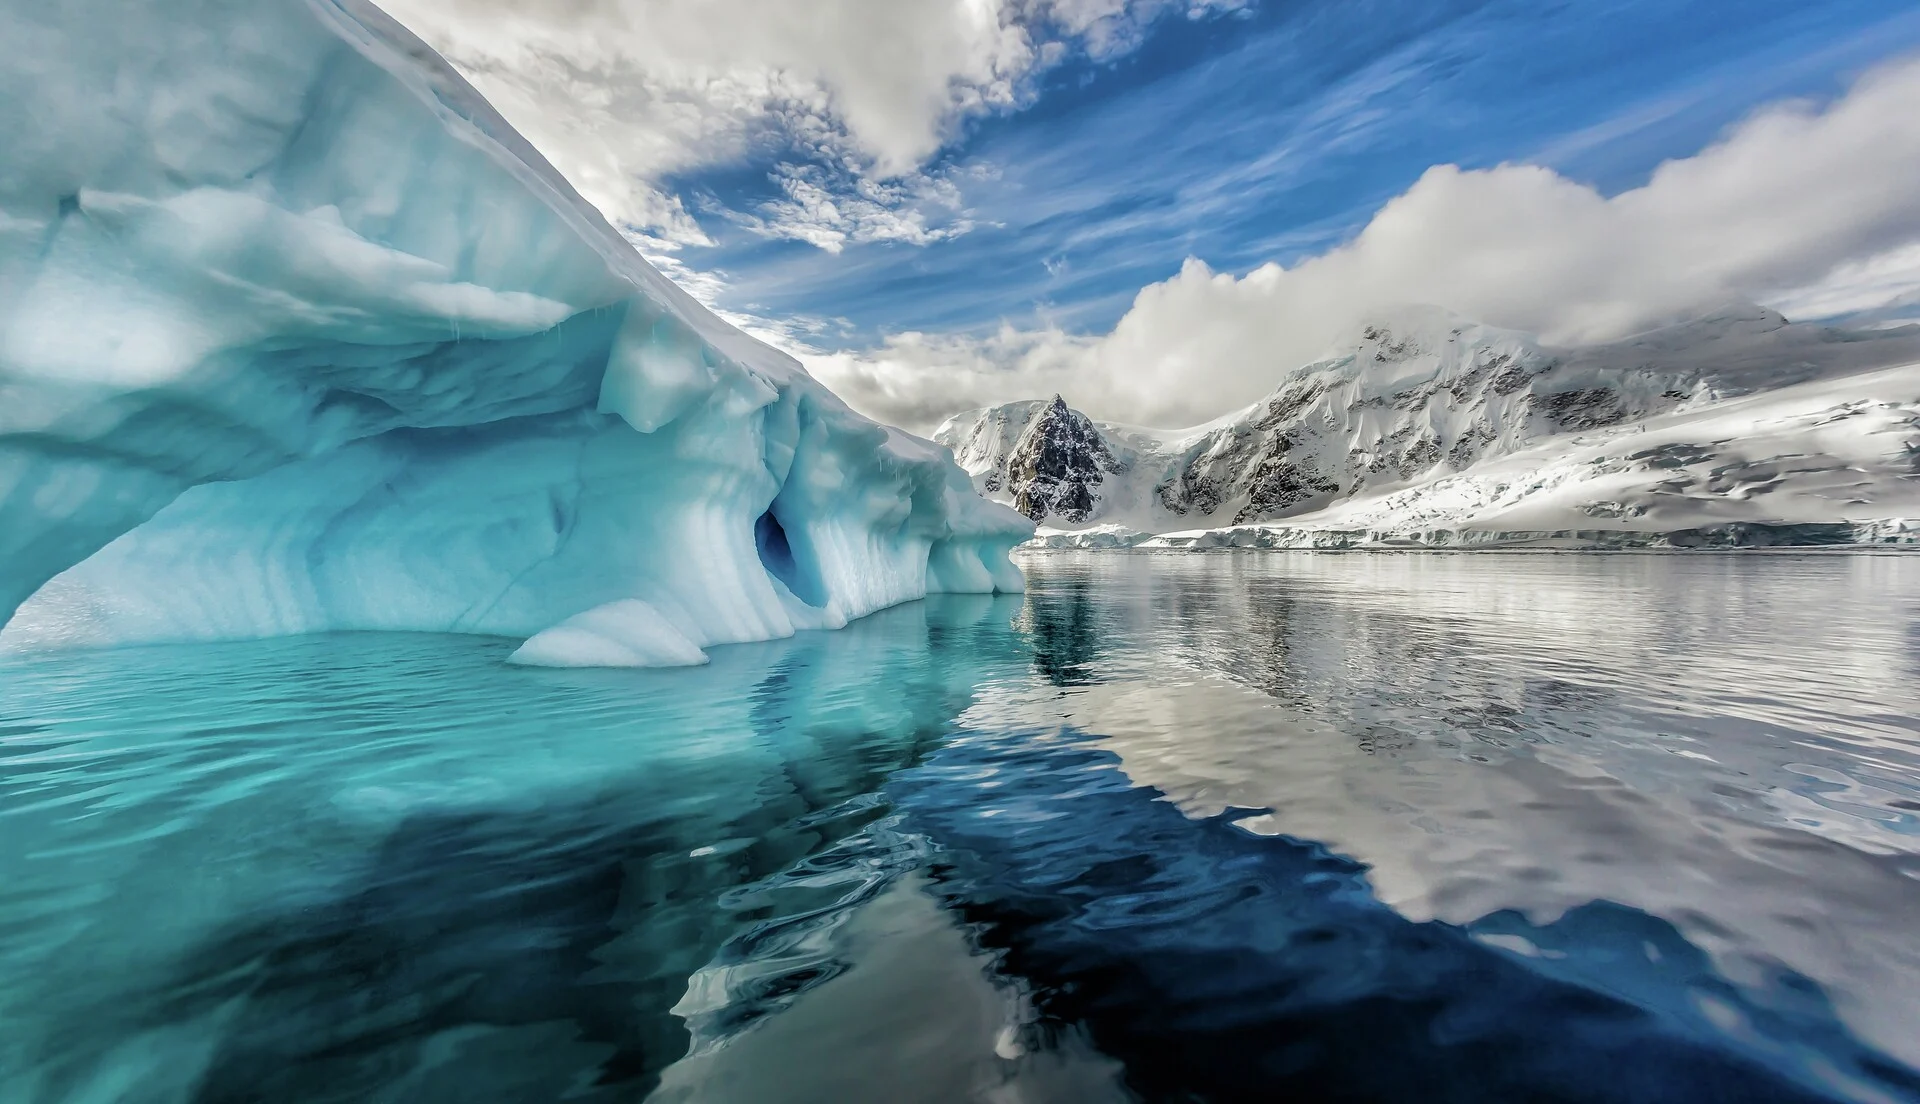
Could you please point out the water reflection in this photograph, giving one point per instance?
(1535, 734)
(1224, 965)
(1227, 827)
(391, 867)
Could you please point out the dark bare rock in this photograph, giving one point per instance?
(1058, 465)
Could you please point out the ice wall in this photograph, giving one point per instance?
(296, 334)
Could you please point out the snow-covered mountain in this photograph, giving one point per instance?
(1430, 428)
(1050, 460)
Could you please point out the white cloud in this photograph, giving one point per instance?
(1109, 28)
(830, 209)
(1800, 204)
(620, 93)
(915, 380)
(1857, 288)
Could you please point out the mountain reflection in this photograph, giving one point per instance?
(1170, 828)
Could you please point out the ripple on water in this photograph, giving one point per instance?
(1424, 827)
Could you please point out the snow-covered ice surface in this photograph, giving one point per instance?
(296, 334)
(1735, 429)
(1094, 536)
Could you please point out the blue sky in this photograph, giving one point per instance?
(1274, 132)
(1164, 206)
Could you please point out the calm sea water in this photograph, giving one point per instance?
(1189, 827)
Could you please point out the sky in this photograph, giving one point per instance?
(1159, 208)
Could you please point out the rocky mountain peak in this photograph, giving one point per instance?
(1058, 464)
(1416, 398)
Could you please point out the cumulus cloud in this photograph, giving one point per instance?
(1801, 204)
(618, 94)
(1884, 287)
(916, 380)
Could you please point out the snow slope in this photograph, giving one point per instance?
(1736, 427)
(296, 334)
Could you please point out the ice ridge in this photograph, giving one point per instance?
(297, 335)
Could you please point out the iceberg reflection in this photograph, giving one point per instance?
(1205, 828)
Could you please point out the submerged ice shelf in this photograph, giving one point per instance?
(296, 334)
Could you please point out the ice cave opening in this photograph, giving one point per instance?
(776, 555)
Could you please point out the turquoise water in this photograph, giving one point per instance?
(1234, 827)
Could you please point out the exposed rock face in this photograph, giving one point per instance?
(1416, 396)
(1058, 464)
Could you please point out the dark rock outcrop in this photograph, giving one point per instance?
(1058, 465)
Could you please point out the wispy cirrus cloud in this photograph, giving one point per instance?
(833, 208)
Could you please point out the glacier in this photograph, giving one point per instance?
(298, 335)
(1734, 428)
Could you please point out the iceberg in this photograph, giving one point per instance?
(298, 335)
